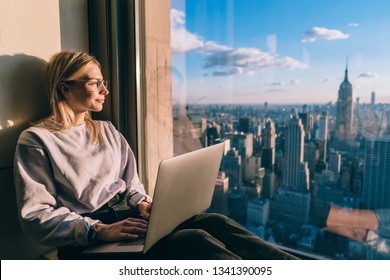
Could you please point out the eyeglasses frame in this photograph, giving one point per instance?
(99, 83)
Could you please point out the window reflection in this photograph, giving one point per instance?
(299, 147)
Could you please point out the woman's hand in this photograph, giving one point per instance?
(130, 228)
(145, 207)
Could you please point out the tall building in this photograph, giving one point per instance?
(237, 204)
(243, 142)
(335, 163)
(219, 203)
(290, 206)
(307, 122)
(252, 165)
(231, 165)
(296, 172)
(244, 125)
(322, 135)
(269, 135)
(344, 110)
(372, 99)
(257, 212)
(269, 184)
(323, 127)
(212, 134)
(268, 151)
(311, 157)
(376, 179)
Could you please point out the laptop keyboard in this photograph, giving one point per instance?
(139, 241)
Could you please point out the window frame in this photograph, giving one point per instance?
(131, 39)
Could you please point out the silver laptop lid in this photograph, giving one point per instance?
(184, 188)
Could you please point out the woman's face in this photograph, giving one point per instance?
(86, 90)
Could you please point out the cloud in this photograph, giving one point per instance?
(326, 80)
(292, 82)
(276, 84)
(233, 71)
(181, 40)
(367, 75)
(353, 24)
(229, 72)
(317, 33)
(275, 90)
(226, 60)
(249, 58)
(210, 47)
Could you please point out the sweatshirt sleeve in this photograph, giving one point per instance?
(135, 191)
(41, 218)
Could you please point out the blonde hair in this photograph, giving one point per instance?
(60, 67)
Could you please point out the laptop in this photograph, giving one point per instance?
(184, 187)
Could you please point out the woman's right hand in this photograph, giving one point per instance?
(130, 228)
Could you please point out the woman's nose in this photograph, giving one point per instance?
(104, 90)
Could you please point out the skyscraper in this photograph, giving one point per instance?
(372, 99)
(268, 154)
(344, 114)
(311, 154)
(237, 203)
(296, 172)
(257, 212)
(243, 142)
(269, 135)
(231, 165)
(219, 203)
(376, 179)
(335, 163)
(307, 122)
(323, 127)
(244, 125)
(257, 216)
(290, 206)
(322, 135)
(269, 184)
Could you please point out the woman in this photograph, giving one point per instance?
(77, 182)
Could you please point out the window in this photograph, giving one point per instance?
(297, 91)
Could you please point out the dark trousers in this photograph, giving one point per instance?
(214, 237)
(203, 237)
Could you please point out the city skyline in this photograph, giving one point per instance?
(282, 170)
(258, 51)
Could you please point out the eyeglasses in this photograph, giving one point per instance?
(93, 84)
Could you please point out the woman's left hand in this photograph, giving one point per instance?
(145, 208)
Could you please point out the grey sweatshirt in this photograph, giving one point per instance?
(60, 175)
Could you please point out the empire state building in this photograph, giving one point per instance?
(344, 114)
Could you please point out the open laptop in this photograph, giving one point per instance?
(184, 188)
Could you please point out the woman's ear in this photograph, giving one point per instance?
(64, 88)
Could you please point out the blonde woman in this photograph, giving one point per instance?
(77, 184)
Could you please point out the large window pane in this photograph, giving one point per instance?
(297, 90)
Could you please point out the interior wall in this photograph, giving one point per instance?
(30, 32)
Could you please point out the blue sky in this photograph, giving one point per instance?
(279, 51)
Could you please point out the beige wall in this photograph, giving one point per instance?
(30, 27)
(158, 97)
